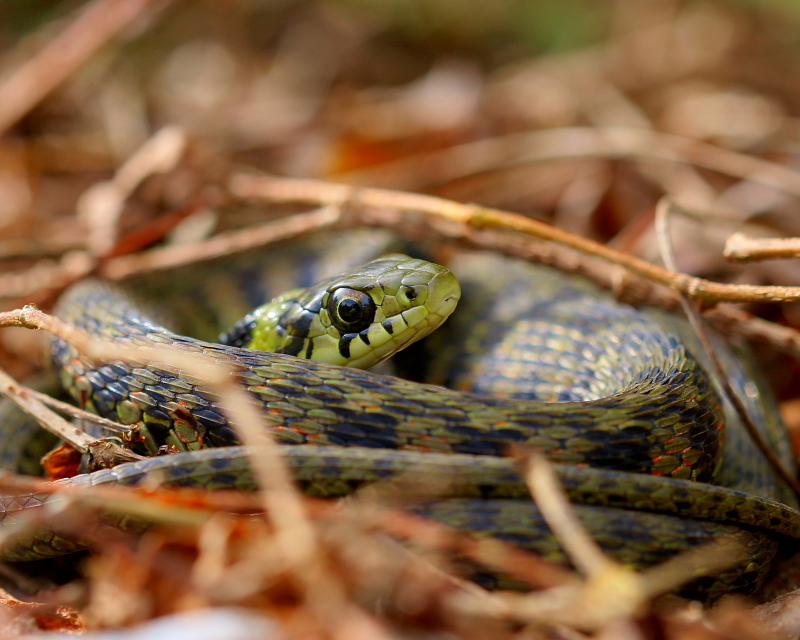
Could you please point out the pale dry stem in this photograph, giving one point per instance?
(396, 209)
(46, 417)
(73, 411)
(693, 314)
(294, 532)
(555, 508)
(705, 292)
(101, 205)
(222, 244)
(741, 248)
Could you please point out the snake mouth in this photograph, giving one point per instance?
(444, 294)
(448, 305)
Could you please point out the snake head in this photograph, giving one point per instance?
(357, 319)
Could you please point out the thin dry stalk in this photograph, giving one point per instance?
(635, 289)
(92, 27)
(294, 534)
(222, 244)
(47, 418)
(740, 248)
(101, 206)
(693, 314)
(73, 411)
(704, 292)
(555, 508)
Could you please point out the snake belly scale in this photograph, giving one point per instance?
(663, 418)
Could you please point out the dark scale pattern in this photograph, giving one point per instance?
(241, 333)
(639, 523)
(657, 414)
(555, 337)
(320, 403)
(649, 539)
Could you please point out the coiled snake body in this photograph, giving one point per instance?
(636, 402)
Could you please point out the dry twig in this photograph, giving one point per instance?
(294, 534)
(704, 292)
(554, 506)
(47, 418)
(740, 248)
(693, 314)
(222, 244)
(75, 412)
(390, 209)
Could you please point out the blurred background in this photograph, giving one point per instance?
(543, 108)
(578, 112)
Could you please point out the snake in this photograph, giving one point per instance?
(638, 432)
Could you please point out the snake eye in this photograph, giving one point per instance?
(351, 311)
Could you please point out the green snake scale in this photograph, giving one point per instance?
(636, 402)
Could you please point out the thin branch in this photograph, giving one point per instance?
(693, 314)
(92, 27)
(283, 504)
(101, 205)
(556, 510)
(75, 412)
(705, 292)
(740, 248)
(222, 244)
(271, 472)
(47, 418)
(635, 289)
